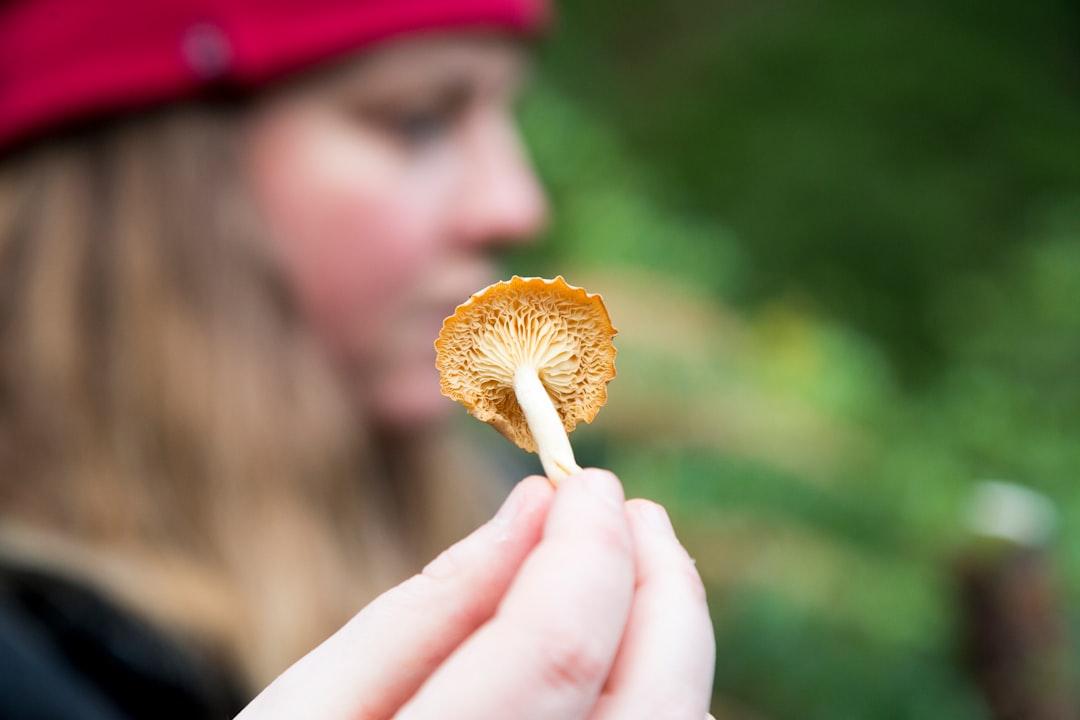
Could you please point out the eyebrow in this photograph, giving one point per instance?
(451, 97)
(450, 89)
(453, 77)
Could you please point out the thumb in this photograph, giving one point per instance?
(373, 664)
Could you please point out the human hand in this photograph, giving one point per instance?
(569, 604)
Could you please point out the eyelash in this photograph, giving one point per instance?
(417, 125)
(421, 127)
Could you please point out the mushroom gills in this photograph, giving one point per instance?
(532, 357)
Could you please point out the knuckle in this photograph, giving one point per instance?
(572, 663)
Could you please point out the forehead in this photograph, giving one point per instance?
(490, 61)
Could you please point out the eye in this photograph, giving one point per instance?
(421, 126)
(424, 119)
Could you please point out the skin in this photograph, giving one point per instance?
(569, 604)
(391, 181)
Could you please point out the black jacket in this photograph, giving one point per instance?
(68, 653)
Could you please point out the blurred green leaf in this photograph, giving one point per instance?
(841, 241)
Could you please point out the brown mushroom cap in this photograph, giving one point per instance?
(561, 331)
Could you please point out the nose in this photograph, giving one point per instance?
(501, 201)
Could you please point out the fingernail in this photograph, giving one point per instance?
(656, 517)
(441, 567)
(603, 485)
(509, 509)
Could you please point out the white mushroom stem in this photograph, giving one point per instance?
(552, 443)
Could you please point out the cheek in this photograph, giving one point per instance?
(362, 246)
(350, 233)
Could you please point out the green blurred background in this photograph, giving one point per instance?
(841, 241)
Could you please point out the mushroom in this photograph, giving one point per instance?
(533, 358)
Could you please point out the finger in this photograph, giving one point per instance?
(664, 670)
(553, 640)
(375, 662)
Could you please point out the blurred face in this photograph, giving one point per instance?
(388, 184)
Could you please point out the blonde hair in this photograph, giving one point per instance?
(168, 428)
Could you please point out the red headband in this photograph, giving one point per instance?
(62, 60)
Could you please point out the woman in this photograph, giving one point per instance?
(228, 233)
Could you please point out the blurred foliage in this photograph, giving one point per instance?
(841, 241)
